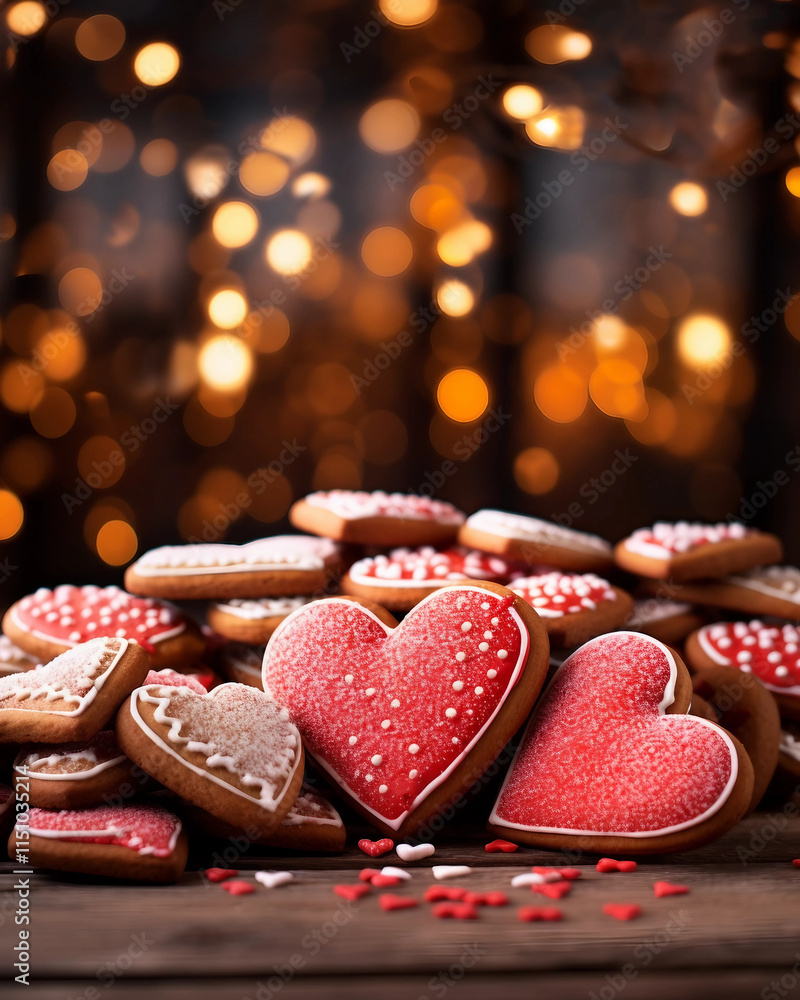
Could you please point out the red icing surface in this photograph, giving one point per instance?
(556, 594)
(357, 503)
(770, 652)
(428, 566)
(172, 678)
(390, 714)
(70, 615)
(144, 829)
(598, 757)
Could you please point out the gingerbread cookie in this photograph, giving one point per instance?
(378, 518)
(574, 606)
(14, 660)
(534, 541)
(742, 705)
(684, 551)
(242, 664)
(267, 567)
(234, 752)
(769, 652)
(405, 577)
(406, 718)
(610, 763)
(765, 590)
(142, 842)
(789, 757)
(668, 621)
(312, 824)
(74, 696)
(50, 622)
(251, 621)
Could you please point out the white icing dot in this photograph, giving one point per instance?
(746, 668)
(744, 656)
(478, 690)
(487, 634)
(485, 605)
(495, 621)
(383, 789)
(781, 671)
(377, 759)
(413, 774)
(455, 739)
(450, 713)
(413, 748)
(353, 740)
(491, 674)
(502, 654)
(483, 647)
(348, 678)
(385, 724)
(466, 626)
(369, 692)
(458, 685)
(461, 657)
(368, 777)
(395, 703)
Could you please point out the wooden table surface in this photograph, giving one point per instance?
(736, 935)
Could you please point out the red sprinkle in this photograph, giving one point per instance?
(368, 874)
(626, 866)
(220, 874)
(438, 893)
(381, 881)
(570, 874)
(352, 892)
(454, 911)
(623, 911)
(796, 862)
(669, 889)
(495, 898)
(238, 888)
(390, 902)
(501, 845)
(611, 865)
(532, 913)
(375, 848)
(554, 890)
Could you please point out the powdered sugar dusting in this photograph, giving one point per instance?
(353, 504)
(13, 659)
(172, 678)
(311, 808)
(73, 678)
(265, 607)
(429, 567)
(536, 531)
(599, 758)
(72, 759)
(143, 828)
(770, 652)
(556, 594)
(408, 677)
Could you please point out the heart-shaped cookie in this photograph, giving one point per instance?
(769, 652)
(406, 718)
(234, 752)
(74, 696)
(608, 763)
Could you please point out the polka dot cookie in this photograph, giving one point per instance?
(764, 590)
(50, 622)
(404, 718)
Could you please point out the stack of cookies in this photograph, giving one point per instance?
(401, 645)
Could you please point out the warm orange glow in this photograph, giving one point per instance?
(101, 461)
(536, 470)
(207, 172)
(522, 102)
(460, 245)
(263, 174)
(119, 145)
(689, 198)
(235, 223)
(21, 387)
(156, 64)
(330, 390)
(27, 463)
(67, 170)
(560, 393)
(311, 185)
(80, 291)
(227, 308)
(54, 414)
(616, 388)
(408, 13)
(100, 37)
(462, 395)
(659, 424)
(435, 206)
(26, 18)
(159, 157)
(387, 251)
(703, 340)
(289, 251)
(793, 181)
(556, 43)
(62, 354)
(389, 126)
(12, 514)
(290, 137)
(116, 543)
(225, 362)
(455, 298)
(559, 128)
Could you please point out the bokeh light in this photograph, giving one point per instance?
(408, 13)
(263, 174)
(555, 43)
(54, 414)
(156, 63)
(100, 37)
(462, 395)
(290, 137)
(80, 291)
(389, 126)
(703, 340)
(26, 18)
(227, 308)
(455, 298)
(522, 102)
(235, 223)
(536, 470)
(116, 543)
(159, 157)
(387, 251)
(792, 180)
(12, 514)
(288, 251)
(225, 362)
(689, 198)
(559, 128)
(67, 170)
(560, 393)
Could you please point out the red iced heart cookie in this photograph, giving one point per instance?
(50, 622)
(769, 652)
(403, 718)
(602, 766)
(375, 848)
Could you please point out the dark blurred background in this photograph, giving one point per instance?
(527, 255)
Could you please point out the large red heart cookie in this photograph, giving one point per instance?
(405, 718)
(607, 761)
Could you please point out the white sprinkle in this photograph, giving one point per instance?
(461, 657)
(383, 789)
(369, 692)
(413, 748)
(487, 634)
(502, 654)
(483, 647)
(455, 739)
(527, 878)
(485, 605)
(466, 626)
(491, 674)
(377, 759)
(406, 852)
(450, 713)
(368, 777)
(458, 685)
(271, 880)
(395, 703)
(781, 671)
(413, 774)
(348, 678)
(478, 690)
(353, 741)
(396, 872)
(495, 621)
(450, 871)
(386, 723)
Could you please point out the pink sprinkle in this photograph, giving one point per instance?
(352, 892)
(669, 889)
(570, 874)
(611, 865)
(555, 890)
(381, 881)
(439, 893)
(220, 874)
(368, 874)
(796, 862)
(622, 911)
(237, 887)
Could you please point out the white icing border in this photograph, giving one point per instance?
(30, 770)
(536, 530)
(270, 805)
(306, 561)
(714, 654)
(525, 645)
(320, 500)
(666, 701)
(113, 831)
(750, 583)
(296, 819)
(258, 609)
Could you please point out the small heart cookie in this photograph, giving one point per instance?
(50, 622)
(14, 660)
(233, 752)
(610, 763)
(74, 696)
(406, 718)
